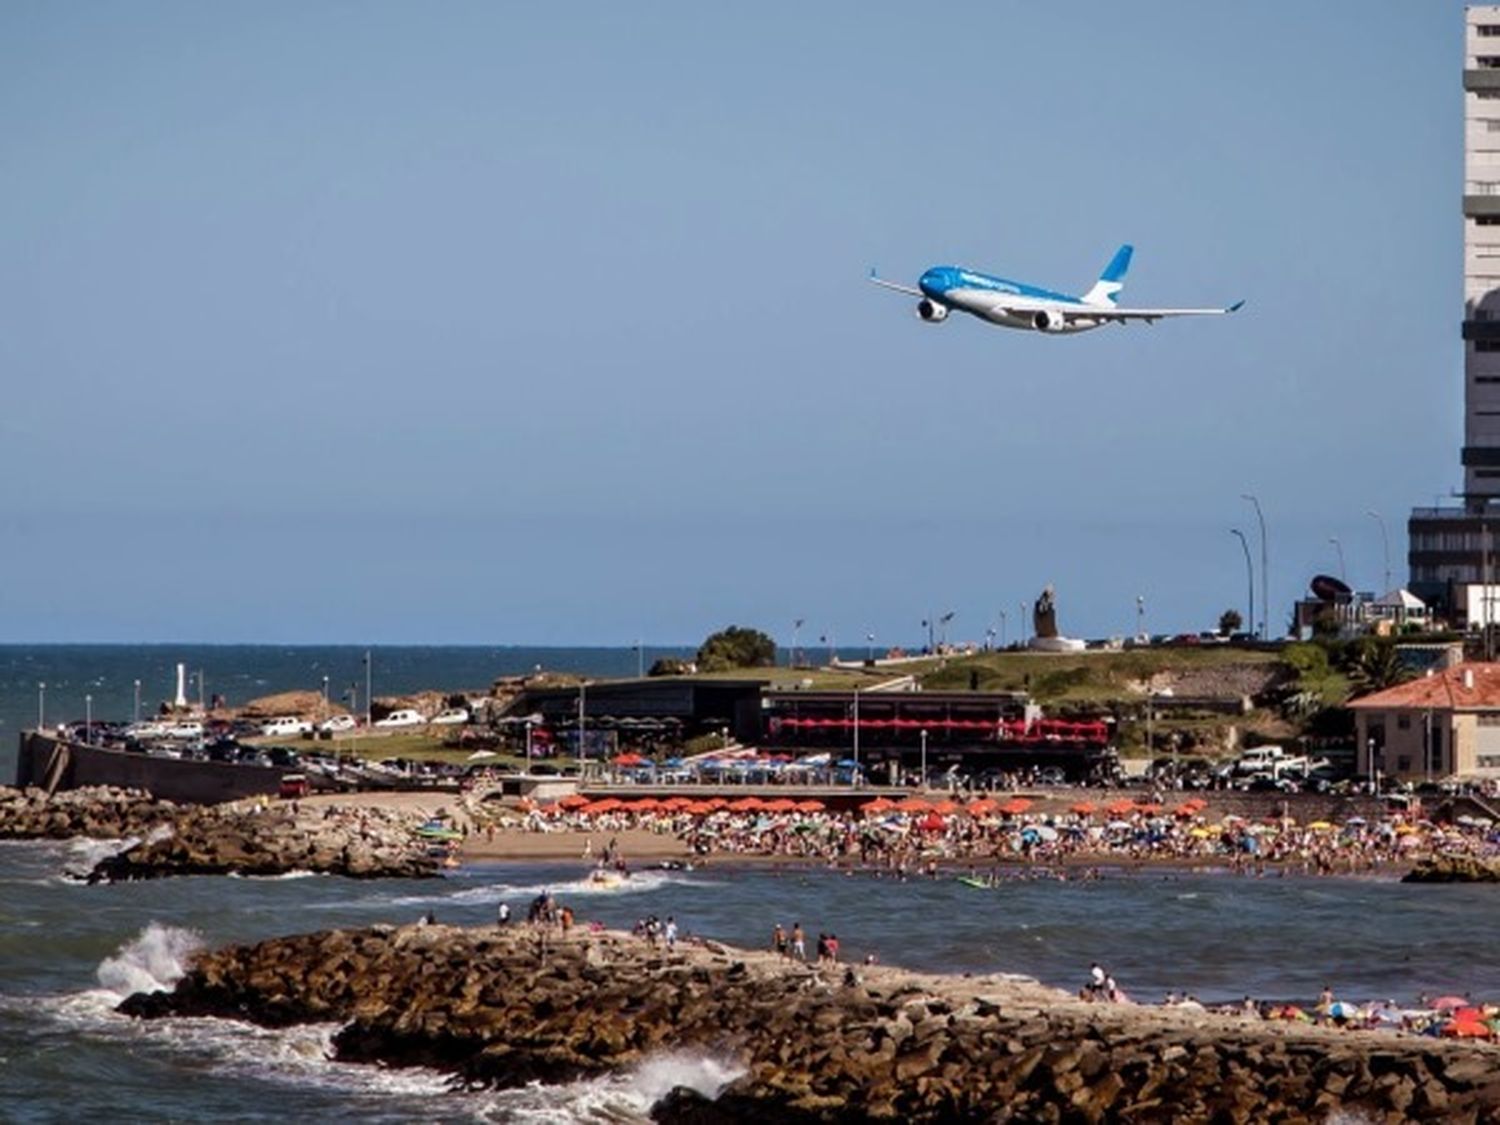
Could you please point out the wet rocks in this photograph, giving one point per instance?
(99, 812)
(503, 1007)
(274, 840)
(1452, 868)
(241, 839)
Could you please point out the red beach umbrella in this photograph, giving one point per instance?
(573, 801)
(1083, 808)
(932, 823)
(982, 807)
(878, 805)
(913, 805)
(810, 806)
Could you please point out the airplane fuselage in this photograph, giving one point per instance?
(1025, 306)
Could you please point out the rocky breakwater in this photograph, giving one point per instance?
(502, 1007)
(364, 843)
(99, 812)
(1454, 869)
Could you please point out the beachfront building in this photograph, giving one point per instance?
(1452, 549)
(1444, 724)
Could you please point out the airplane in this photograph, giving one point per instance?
(1014, 304)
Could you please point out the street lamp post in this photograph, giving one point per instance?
(1021, 630)
(528, 746)
(1002, 626)
(930, 627)
(1265, 569)
(797, 623)
(136, 714)
(924, 758)
(1140, 616)
(325, 699)
(855, 754)
(583, 725)
(88, 719)
(41, 705)
(1250, 577)
(869, 648)
(1385, 548)
(369, 694)
(640, 659)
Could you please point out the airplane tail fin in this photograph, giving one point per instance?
(1112, 280)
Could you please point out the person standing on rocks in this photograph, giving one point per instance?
(799, 942)
(502, 916)
(778, 940)
(671, 933)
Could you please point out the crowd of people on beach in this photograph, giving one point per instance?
(912, 837)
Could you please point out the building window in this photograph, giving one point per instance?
(1487, 413)
(1487, 62)
(1403, 764)
(1487, 220)
(1489, 761)
(1487, 345)
(1403, 722)
(1487, 30)
(1488, 474)
(1487, 378)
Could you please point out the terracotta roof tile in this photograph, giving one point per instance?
(1445, 690)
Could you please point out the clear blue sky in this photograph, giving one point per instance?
(547, 323)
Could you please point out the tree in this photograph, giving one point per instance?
(735, 647)
(1374, 666)
(670, 666)
(1230, 622)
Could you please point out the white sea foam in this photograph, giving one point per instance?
(624, 1097)
(84, 855)
(639, 882)
(154, 961)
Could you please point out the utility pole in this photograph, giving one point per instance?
(1265, 569)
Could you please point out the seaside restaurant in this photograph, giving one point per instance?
(1445, 724)
(965, 729)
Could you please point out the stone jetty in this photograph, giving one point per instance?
(256, 838)
(97, 812)
(500, 1007)
(1454, 869)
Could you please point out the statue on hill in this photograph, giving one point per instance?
(1044, 614)
(1045, 637)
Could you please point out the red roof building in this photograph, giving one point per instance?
(1444, 724)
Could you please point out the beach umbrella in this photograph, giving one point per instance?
(1343, 1010)
(780, 805)
(1083, 808)
(1148, 810)
(745, 804)
(481, 755)
(1120, 807)
(878, 805)
(1450, 1004)
(1199, 833)
(1466, 1029)
(573, 801)
(913, 805)
(982, 806)
(945, 808)
(932, 822)
(646, 804)
(629, 758)
(1320, 826)
(810, 806)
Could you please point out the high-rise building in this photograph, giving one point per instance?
(1452, 549)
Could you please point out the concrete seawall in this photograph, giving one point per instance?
(46, 761)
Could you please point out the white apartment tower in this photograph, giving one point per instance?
(1454, 551)
(1481, 330)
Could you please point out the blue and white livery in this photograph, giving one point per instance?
(1014, 304)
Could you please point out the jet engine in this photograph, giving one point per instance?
(1046, 320)
(930, 311)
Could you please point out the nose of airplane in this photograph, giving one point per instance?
(933, 282)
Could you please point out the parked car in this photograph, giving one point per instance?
(402, 718)
(453, 716)
(335, 724)
(186, 729)
(285, 725)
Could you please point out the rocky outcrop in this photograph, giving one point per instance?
(275, 839)
(1454, 869)
(239, 839)
(99, 812)
(506, 1007)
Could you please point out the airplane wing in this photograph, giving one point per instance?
(907, 289)
(1104, 314)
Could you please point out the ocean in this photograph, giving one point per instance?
(70, 952)
(240, 673)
